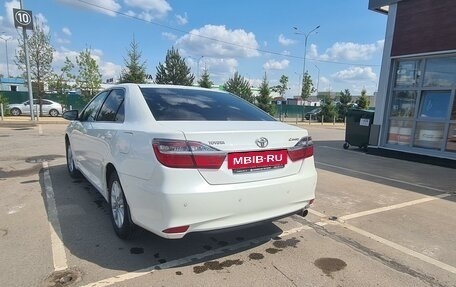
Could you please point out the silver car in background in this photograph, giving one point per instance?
(50, 108)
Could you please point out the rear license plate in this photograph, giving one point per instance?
(257, 159)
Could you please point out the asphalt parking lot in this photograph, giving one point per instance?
(376, 222)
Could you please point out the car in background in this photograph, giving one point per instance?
(314, 114)
(176, 159)
(49, 107)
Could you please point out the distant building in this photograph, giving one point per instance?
(13, 85)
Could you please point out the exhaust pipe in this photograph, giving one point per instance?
(303, 212)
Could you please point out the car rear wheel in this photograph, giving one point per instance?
(53, 113)
(120, 211)
(72, 170)
(15, 112)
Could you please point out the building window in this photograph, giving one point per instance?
(434, 104)
(407, 73)
(419, 112)
(440, 72)
(13, 88)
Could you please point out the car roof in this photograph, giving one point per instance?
(162, 86)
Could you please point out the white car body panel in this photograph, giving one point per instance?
(161, 197)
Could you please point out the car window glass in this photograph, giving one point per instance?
(171, 104)
(90, 112)
(44, 102)
(112, 106)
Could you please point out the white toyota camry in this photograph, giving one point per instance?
(175, 159)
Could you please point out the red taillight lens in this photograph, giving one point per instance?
(187, 154)
(303, 149)
(179, 229)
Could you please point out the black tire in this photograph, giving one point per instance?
(72, 170)
(15, 112)
(120, 211)
(54, 113)
(346, 145)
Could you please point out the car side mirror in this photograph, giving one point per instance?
(71, 115)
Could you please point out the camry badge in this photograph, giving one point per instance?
(262, 142)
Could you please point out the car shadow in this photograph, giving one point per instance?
(426, 179)
(88, 234)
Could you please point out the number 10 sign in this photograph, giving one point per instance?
(23, 18)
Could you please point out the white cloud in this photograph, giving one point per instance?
(182, 20)
(130, 13)
(107, 69)
(219, 69)
(286, 52)
(107, 7)
(199, 42)
(284, 41)
(169, 36)
(66, 31)
(276, 65)
(355, 74)
(41, 21)
(349, 51)
(8, 22)
(63, 41)
(150, 9)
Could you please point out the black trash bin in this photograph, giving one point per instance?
(357, 129)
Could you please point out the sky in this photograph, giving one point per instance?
(253, 38)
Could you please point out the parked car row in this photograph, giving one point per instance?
(314, 114)
(49, 107)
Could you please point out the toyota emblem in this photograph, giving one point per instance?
(262, 142)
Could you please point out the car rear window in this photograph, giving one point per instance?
(173, 104)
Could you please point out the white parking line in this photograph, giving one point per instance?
(58, 249)
(382, 177)
(190, 259)
(40, 130)
(400, 248)
(395, 206)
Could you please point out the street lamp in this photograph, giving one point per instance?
(6, 51)
(306, 35)
(318, 77)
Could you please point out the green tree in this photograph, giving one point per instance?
(174, 71)
(60, 82)
(345, 99)
(205, 81)
(328, 109)
(40, 57)
(239, 86)
(363, 101)
(307, 87)
(135, 68)
(88, 79)
(264, 100)
(282, 87)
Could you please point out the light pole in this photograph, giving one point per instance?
(6, 51)
(318, 77)
(306, 35)
(197, 65)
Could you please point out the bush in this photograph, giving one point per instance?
(4, 101)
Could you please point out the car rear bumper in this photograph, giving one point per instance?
(157, 206)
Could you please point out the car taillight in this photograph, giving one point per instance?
(303, 149)
(187, 154)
